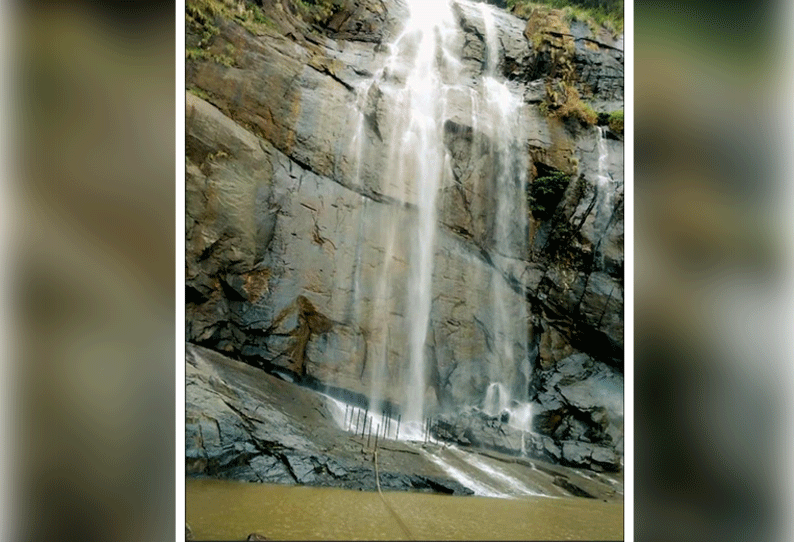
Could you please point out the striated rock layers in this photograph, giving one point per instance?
(242, 424)
(285, 217)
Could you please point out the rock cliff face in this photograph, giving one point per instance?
(285, 217)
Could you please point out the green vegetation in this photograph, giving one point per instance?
(193, 53)
(546, 191)
(615, 121)
(200, 20)
(257, 16)
(199, 92)
(316, 11)
(565, 102)
(201, 15)
(597, 13)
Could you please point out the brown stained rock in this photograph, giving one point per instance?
(549, 33)
(256, 284)
(257, 536)
(310, 322)
(547, 422)
(553, 347)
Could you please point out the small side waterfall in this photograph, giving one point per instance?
(605, 186)
(502, 111)
(497, 399)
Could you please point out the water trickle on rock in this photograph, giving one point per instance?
(605, 185)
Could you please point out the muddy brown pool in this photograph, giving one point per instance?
(225, 510)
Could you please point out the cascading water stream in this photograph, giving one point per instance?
(411, 83)
(424, 157)
(605, 186)
(605, 183)
(413, 86)
(502, 108)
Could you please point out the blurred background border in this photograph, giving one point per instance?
(89, 315)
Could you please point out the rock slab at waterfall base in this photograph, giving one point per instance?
(246, 425)
(243, 424)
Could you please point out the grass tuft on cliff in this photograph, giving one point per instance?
(316, 11)
(201, 15)
(615, 121)
(546, 191)
(596, 13)
(564, 101)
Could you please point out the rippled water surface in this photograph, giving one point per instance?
(223, 510)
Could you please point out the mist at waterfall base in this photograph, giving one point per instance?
(713, 271)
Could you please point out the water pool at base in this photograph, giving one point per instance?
(225, 510)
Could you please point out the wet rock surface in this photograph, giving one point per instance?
(246, 425)
(243, 424)
(283, 233)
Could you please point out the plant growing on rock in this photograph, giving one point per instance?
(201, 16)
(550, 34)
(596, 13)
(545, 193)
(192, 53)
(316, 11)
(564, 101)
(615, 121)
(199, 92)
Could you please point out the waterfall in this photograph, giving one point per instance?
(411, 80)
(422, 69)
(502, 109)
(605, 186)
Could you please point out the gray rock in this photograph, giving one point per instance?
(604, 390)
(270, 469)
(288, 229)
(244, 424)
(576, 452)
(301, 467)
